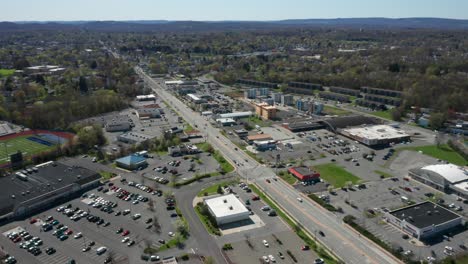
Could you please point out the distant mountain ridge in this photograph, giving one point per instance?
(167, 25)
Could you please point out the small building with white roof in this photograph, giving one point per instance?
(376, 135)
(227, 209)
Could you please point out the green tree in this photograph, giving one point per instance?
(437, 120)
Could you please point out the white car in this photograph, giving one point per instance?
(78, 235)
(299, 199)
(265, 243)
(266, 259)
(171, 234)
(125, 239)
(272, 258)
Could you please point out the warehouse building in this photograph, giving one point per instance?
(304, 174)
(448, 178)
(377, 135)
(227, 209)
(424, 220)
(131, 162)
(42, 186)
(116, 126)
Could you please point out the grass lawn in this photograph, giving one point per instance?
(287, 177)
(444, 152)
(335, 111)
(206, 222)
(383, 114)
(214, 188)
(258, 121)
(336, 175)
(188, 128)
(23, 144)
(6, 72)
(106, 175)
(385, 174)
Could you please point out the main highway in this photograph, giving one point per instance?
(341, 240)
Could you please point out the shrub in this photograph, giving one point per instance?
(291, 255)
(227, 247)
(185, 257)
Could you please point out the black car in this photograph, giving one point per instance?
(100, 188)
(321, 233)
(50, 251)
(162, 241)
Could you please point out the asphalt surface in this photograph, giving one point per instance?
(344, 242)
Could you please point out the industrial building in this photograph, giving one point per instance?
(42, 186)
(448, 178)
(304, 174)
(424, 220)
(227, 209)
(131, 162)
(377, 135)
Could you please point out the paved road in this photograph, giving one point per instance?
(341, 240)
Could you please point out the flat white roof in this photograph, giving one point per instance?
(462, 186)
(236, 114)
(225, 120)
(226, 205)
(193, 97)
(450, 172)
(173, 82)
(376, 132)
(146, 96)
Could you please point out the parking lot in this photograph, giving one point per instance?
(98, 220)
(369, 204)
(247, 242)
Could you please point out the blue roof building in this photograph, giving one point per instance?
(132, 162)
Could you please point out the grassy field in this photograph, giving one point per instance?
(253, 120)
(287, 177)
(28, 147)
(6, 72)
(214, 188)
(335, 111)
(383, 114)
(336, 175)
(444, 152)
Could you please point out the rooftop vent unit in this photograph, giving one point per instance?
(230, 208)
(59, 180)
(224, 201)
(429, 213)
(13, 196)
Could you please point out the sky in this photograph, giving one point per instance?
(215, 10)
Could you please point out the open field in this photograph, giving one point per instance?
(6, 72)
(443, 152)
(23, 144)
(335, 111)
(387, 114)
(336, 175)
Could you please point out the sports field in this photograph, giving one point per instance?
(24, 144)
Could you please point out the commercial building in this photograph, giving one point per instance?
(195, 99)
(448, 178)
(227, 209)
(131, 162)
(116, 126)
(304, 173)
(258, 137)
(287, 99)
(236, 115)
(424, 220)
(377, 135)
(265, 111)
(303, 125)
(226, 121)
(149, 97)
(148, 112)
(241, 133)
(181, 150)
(133, 137)
(42, 186)
(262, 145)
(336, 123)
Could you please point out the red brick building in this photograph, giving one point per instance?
(304, 173)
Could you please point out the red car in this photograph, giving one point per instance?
(17, 239)
(268, 180)
(255, 198)
(408, 189)
(305, 247)
(68, 232)
(34, 220)
(126, 232)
